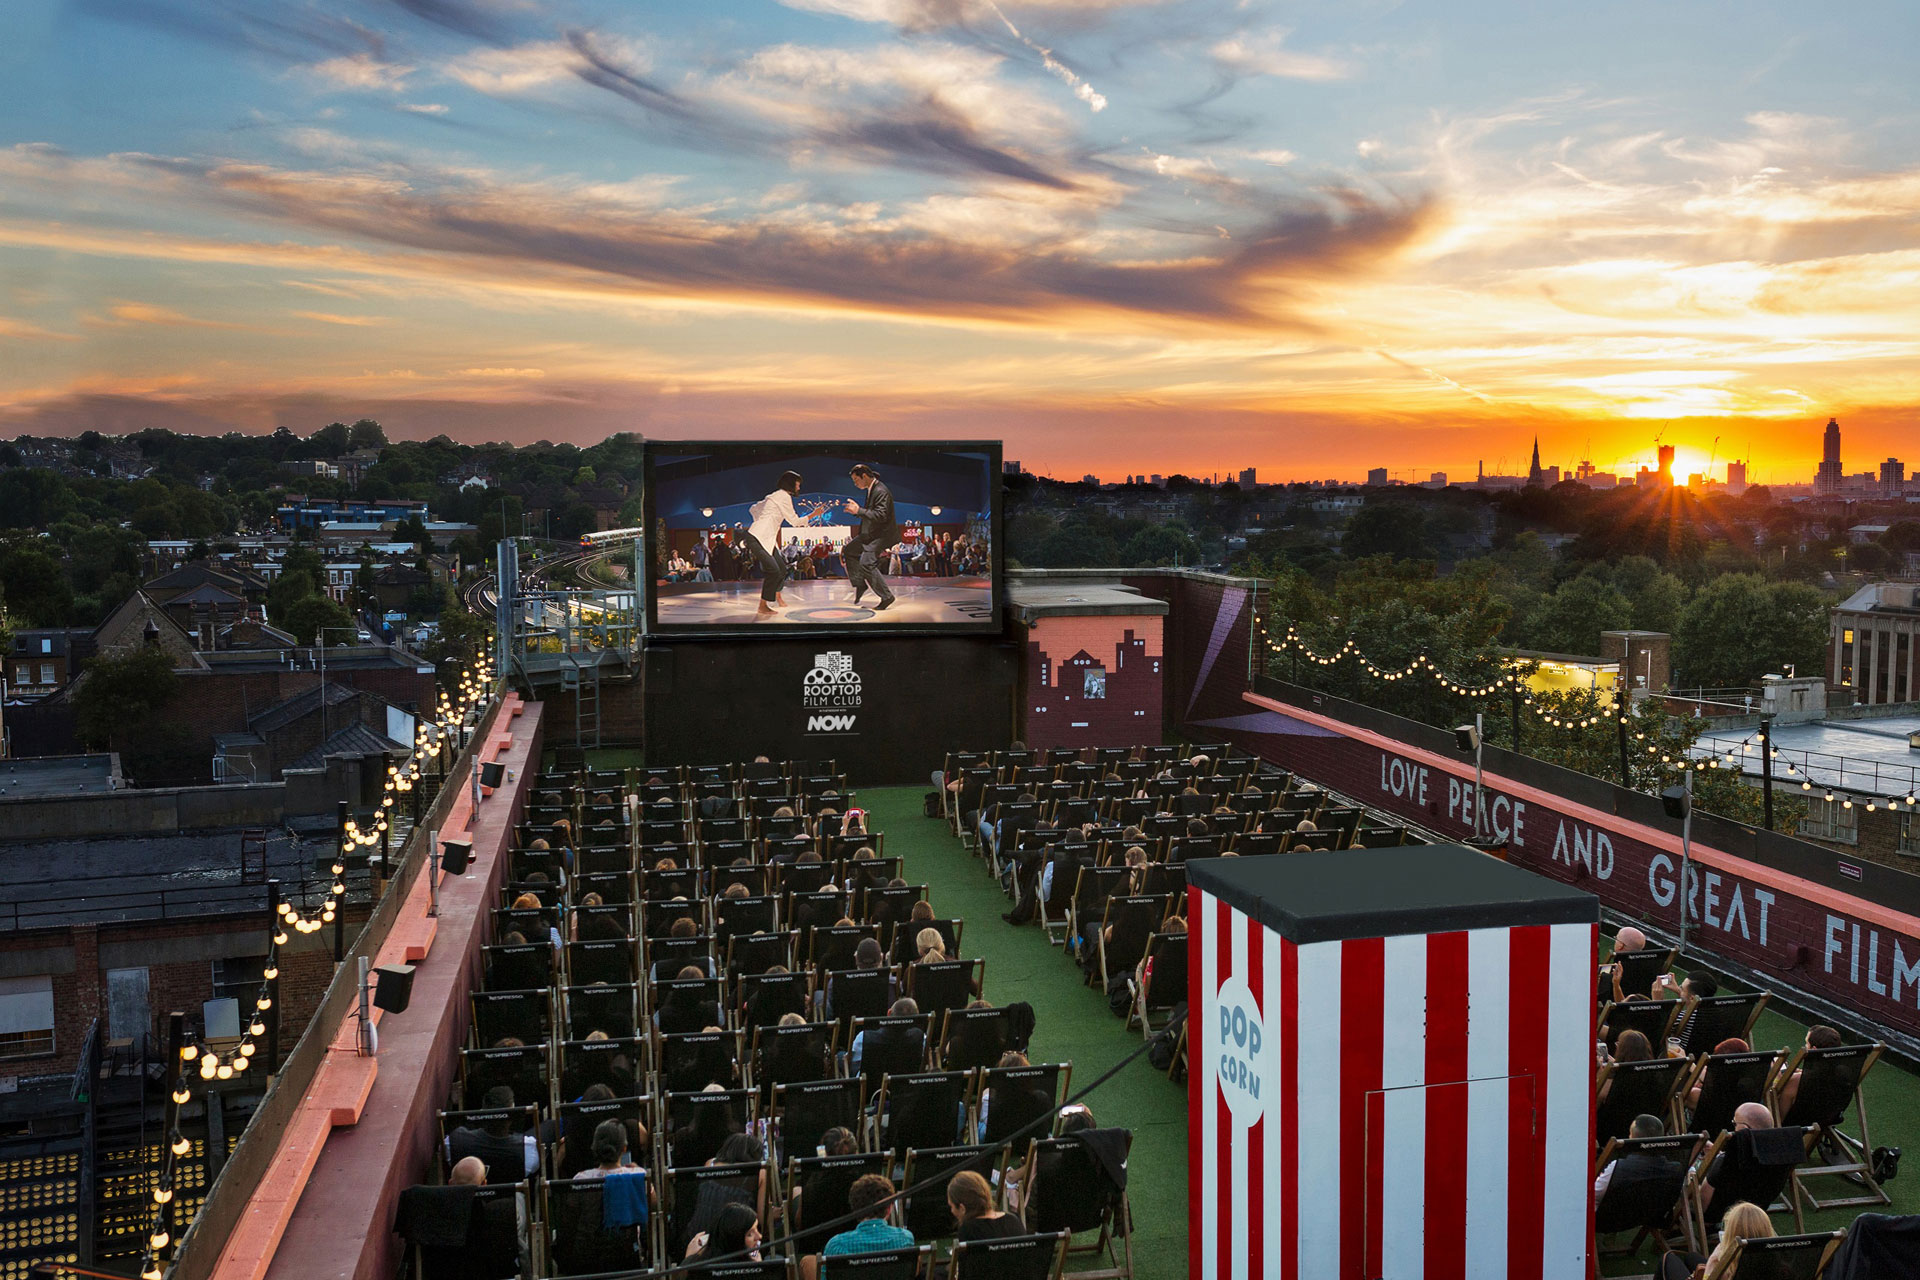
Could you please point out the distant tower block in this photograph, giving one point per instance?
(1392, 1067)
(1830, 479)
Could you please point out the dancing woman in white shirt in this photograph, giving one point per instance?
(762, 539)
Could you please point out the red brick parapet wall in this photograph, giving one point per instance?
(1859, 954)
(363, 1129)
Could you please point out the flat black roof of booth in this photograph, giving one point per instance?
(1328, 895)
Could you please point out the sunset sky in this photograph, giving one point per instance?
(1312, 237)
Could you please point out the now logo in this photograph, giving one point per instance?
(829, 724)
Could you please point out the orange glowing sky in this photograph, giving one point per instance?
(1126, 236)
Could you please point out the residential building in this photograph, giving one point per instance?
(42, 659)
(1377, 478)
(1247, 478)
(1893, 479)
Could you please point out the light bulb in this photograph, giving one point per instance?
(151, 1271)
(188, 1052)
(225, 1072)
(246, 1046)
(280, 938)
(339, 869)
(257, 1028)
(180, 1145)
(240, 1064)
(270, 972)
(263, 1004)
(338, 889)
(158, 1240)
(286, 908)
(208, 1065)
(161, 1195)
(181, 1094)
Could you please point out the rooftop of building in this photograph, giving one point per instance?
(1883, 597)
(1871, 757)
(58, 776)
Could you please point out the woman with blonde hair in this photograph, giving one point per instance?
(1744, 1221)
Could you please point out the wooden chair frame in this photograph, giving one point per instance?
(1858, 1167)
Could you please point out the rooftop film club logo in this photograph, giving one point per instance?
(1239, 1039)
(830, 692)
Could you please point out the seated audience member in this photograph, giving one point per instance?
(872, 1198)
(867, 956)
(1748, 1115)
(716, 1195)
(683, 1012)
(970, 1200)
(1743, 1222)
(609, 1151)
(1174, 926)
(889, 1050)
(508, 1156)
(1632, 1046)
(702, 1137)
(734, 1236)
(1625, 942)
(1699, 985)
(822, 1196)
(1632, 1168)
(1818, 1037)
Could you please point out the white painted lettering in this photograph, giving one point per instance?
(1835, 925)
(1904, 973)
(1765, 899)
(1874, 984)
(1709, 914)
(1660, 881)
(1737, 912)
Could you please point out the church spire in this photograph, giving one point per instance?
(1535, 476)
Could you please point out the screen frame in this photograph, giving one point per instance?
(877, 450)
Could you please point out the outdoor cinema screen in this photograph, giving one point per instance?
(815, 536)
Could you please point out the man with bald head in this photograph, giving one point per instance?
(468, 1171)
(1748, 1115)
(1625, 942)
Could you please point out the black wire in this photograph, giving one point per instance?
(770, 1248)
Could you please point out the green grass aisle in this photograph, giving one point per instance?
(1071, 1022)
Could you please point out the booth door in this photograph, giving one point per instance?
(1439, 1161)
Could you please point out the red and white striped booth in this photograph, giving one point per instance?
(1392, 1067)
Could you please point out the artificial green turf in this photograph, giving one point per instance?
(1071, 1023)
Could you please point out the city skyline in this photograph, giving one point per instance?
(1123, 236)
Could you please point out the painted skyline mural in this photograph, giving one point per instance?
(1124, 236)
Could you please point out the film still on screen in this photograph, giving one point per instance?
(784, 536)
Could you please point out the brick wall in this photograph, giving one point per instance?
(1060, 651)
(211, 702)
(184, 984)
(1877, 839)
(1209, 625)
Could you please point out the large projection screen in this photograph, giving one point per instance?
(716, 512)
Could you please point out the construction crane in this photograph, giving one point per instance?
(1711, 455)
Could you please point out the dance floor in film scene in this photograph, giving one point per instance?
(827, 602)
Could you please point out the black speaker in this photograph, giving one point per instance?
(393, 987)
(1674, 801)
(491, 773)
(455, 855)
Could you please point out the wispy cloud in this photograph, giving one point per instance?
(332, 317)
(1265, 54)
(149, 313)
(478, 219)
(362, 71)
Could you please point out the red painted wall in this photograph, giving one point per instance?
(1060, 651)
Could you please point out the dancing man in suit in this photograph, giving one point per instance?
(878, 532)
